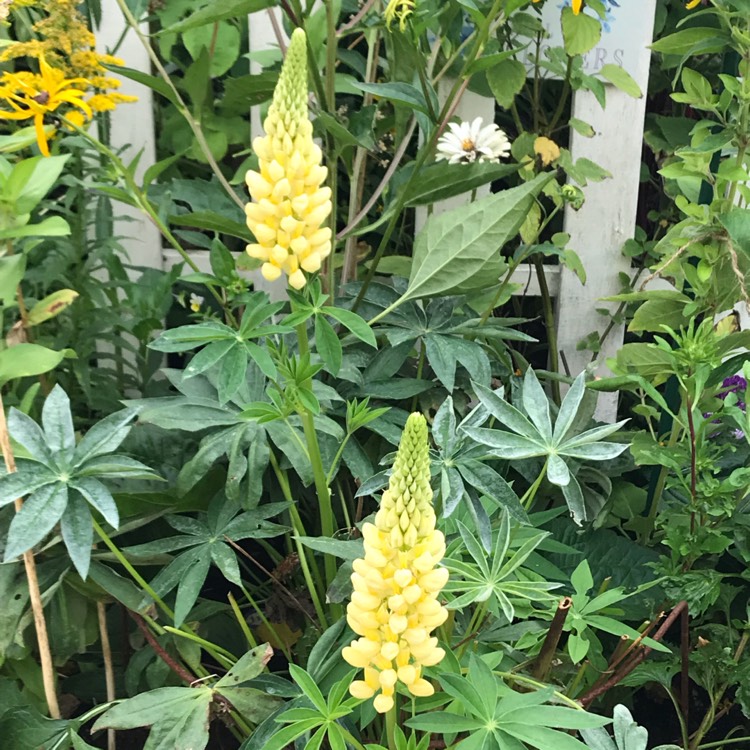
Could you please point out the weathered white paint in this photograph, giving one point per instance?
(132, 125)
(607, 219)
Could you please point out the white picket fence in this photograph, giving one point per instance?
(598, 230)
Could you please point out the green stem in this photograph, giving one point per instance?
(420, 370)
(242, 622)
(314, 583)
(136, 576)
(221, 654)
(319, 474)
(282, 646)
(182, 108)
(337, 458)
(563, 97)
(512, 676)
(733, 741)
(661, 481)
(390, 724)
(530, 494)
(550, 325)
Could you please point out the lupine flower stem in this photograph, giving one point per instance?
(390, 726)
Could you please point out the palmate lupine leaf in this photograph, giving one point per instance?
(61, 481)
(497, 718)
(202, 542)
(497, 578)
(533, 435)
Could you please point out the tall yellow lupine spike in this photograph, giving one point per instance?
(394, 606)
(290, 203)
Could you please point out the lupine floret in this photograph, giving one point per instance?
(394, 607)
(290, 203)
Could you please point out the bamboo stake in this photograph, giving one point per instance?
(40, 624)
(109, 670)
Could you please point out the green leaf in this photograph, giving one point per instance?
(442, 722)
(581, 33)
(12, 268)
(506, 80)
(536, 405)
(454, 246)
(178, 716)
(620, 78)
(54, 226)
(31, 179)
(57, 422)
(328, 344)
(20, 484)
(152, 82)
(309, 688)
(354, 323)
(28, 433)
(401, 93)
(247, 668)
(231, 372)
(99, 496)
(78, 533)
(51, 306)
(581, 579)
(26, 360)
(37, 517)
(692, 41)
(105, 436)
(190, 586)
(218, 10)
(346, 550)
(214, 223)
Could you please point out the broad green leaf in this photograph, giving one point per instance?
(309, 688)
(78, 533)
(208, 357)
(231, 372)
(26, 360)
(252, 703)
(24, 430)
(105, 436)
(189, 587)
(51, 306)
(218, 10)
(247, 668)
(692, 41)
(99, 496)
(346, 550)
(536, 404)
(569, 409)
(506, 80)
(582, 579)
(508, 415)
(31, 179)
(454, 246)
(557, 470)
(328, 344)
(442, 722)
(581, 33)
(620, 78)
(401, 93)
(20, 484)
(57, 422)
(38, 516)
(442, 180)
(506, 445)
(12, 268)
(350, 320)
(226, 561)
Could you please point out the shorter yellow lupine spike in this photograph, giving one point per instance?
(291, 203)
(395, 606)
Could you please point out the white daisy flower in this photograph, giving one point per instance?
(468, 142)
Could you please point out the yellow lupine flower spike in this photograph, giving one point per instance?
(290, 203)
(394, 606)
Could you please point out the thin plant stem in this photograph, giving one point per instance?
(732, 741)
(32, 580)
(227, 658)
(271, 629)
(241, 621)
(337, 458)
(550, 326)
(135, 575)
(390, 724)
(310, 572)
(180, 104)
(544, 660)
(530, 494)
(319, 475)
(109, 670)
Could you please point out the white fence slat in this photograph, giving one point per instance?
(133, 125)
(607, 219)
